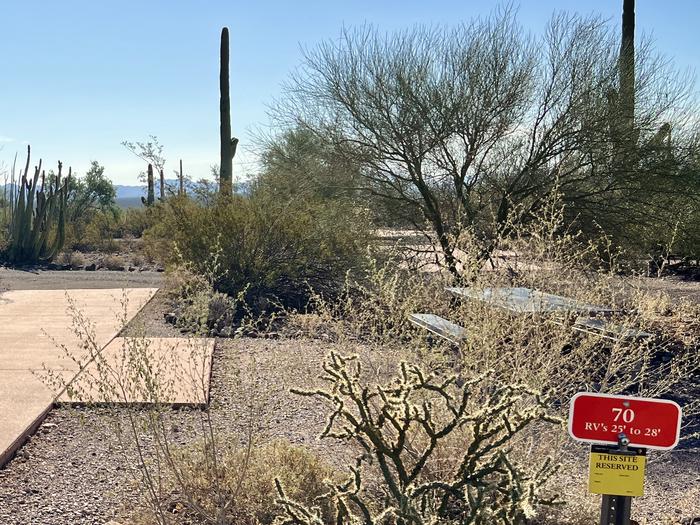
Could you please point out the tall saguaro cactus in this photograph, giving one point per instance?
(162, 185)
(626, 64)
(151, 189)
(228, 143)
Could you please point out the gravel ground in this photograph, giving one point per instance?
(11, 279)
(74, 471)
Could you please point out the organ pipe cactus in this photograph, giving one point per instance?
(38, 220)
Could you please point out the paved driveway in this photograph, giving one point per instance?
(34, 324)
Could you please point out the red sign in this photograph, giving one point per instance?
(648, 423)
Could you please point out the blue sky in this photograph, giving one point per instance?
(78, 77)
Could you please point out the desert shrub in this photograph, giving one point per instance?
(269, 250)
(135, 221)
(112, 262)
(93, 231)
(71, 258)
(199, 308)
(138, 260)
(3, 238)
(246, 484)
(538, 350)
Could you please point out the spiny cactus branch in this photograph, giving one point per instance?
(402, 424)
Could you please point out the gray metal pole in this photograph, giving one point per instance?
(617, 510)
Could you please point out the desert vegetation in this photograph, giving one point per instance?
(400, 165)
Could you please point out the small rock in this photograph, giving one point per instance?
(91, 267)
(47, 427)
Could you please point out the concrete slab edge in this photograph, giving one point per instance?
(9, 453)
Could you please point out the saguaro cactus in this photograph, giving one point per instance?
(181, 190)
(38, 221)
(228, 143)
(162, 185)
(150, 199)
(627, 70)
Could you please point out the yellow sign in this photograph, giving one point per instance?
(616, 474)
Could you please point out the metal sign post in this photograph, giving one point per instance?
(621, 429)
(616, 510)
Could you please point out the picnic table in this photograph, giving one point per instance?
(527, 301)
(590, 318)
(439, 326)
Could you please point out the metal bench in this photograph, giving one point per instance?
(439, 326)
(608, 330)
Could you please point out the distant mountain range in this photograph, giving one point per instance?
(127, 192)
(130, 196)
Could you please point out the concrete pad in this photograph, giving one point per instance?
(35, 323)
(174, 371)
(36, 330)
(24, 402)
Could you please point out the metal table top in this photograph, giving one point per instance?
(525, 300)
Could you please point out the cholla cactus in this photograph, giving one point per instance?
(401, 427)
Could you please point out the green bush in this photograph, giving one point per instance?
(93, 231)
(97, 229)
(134, 222)
(271, 251)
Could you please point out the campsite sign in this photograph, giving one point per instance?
(648, 423)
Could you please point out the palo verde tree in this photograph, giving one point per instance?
(150, 151)
(297, 164)
(471, 129)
